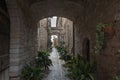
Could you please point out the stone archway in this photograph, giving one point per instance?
(4, 41)
(86, 49)
(25, 13)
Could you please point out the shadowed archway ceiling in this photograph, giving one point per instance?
(64, 8)
(81, 2)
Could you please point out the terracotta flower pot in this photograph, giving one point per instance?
(109, 32)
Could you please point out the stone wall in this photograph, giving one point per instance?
(43, 34)
(64, 31)
(85, 26)
(108, 61)
(68, 34)
(23, 33)
(23, 39)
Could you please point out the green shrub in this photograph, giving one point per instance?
(99, 38)
(30, 72)
(117, 78)
(60, 49)
(79, 69)
(36, 71)
(66, 57)
(63, 53)
(42, 60)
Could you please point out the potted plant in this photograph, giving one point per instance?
(108, 30)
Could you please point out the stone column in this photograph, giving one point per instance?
(15, 24)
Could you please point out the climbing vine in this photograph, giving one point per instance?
(102, 31)
(49, 30)
(99, 37)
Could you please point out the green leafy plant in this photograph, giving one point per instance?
(30, 72)
(63, 53)
(79, 69)
(49, 30)
(59, 48)
(99, 37)
(36, 70)
(66, 57)
(103, 30)
(117, 78)
(42, 60)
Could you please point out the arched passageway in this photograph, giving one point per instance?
(61, 30)
(57, 72)
(85, 15)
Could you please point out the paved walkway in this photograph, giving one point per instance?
(57, 71)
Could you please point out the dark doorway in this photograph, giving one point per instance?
(4, 36)
(86, 49)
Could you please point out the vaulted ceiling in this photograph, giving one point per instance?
(46, 8)
(64, 8)
(30, 2)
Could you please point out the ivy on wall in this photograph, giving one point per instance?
(103, 31)
(99, 42)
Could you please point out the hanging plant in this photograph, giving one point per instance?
(99, 37)
(109, 31)
(103, 31)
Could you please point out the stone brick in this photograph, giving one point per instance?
(85, 16)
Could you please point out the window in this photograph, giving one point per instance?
(53, 21)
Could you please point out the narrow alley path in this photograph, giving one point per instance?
(57, 71)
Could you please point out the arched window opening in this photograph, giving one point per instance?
(54, 21)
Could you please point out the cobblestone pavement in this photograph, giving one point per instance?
(57, 71)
